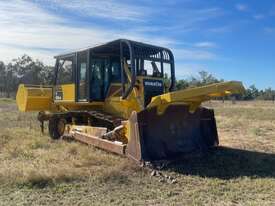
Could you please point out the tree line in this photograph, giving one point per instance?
(29, 71)
(23, 70)
(204, 78)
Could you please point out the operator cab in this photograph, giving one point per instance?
(114, 68)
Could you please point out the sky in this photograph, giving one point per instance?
(231, 39)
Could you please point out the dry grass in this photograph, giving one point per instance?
(35, 170)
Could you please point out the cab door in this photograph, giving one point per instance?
(97, 79)
(64, 87)
(82, 76)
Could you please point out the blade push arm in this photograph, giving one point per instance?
(195, 96)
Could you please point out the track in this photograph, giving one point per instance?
(108, 120)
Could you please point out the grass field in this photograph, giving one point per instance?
(35, 170)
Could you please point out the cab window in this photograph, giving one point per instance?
(65, 71)
(115, 71)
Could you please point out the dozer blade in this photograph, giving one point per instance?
(111, 146)
(170, 134)
(97, 136)
(154, 136)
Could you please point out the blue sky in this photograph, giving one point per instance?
(232, 39)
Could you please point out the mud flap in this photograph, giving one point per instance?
(173, 133)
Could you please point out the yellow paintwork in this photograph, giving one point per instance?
(34, 98)
(195, 96)
(134, 102)
(192, 96)
(94, 131)
(68, 101)
(68, 91)
(69, 106)
(122, 108)
(40, 99)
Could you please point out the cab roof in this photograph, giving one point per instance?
(138, 49)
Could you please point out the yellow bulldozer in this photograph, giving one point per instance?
(116, 97)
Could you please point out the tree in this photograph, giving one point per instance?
(206, 78)
(166, 82)
(182, 84)
(27, 70)
(10, 80)
(254, 91)
(250, 93)
(268, 94)
(47, 75)
(24, 70)
(2, 77)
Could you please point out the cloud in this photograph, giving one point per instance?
(259, 16)
(269, 29)
(30, 29)
(193, 19)
(272, 11)
(109, 9)
(221, 29)
(205, 44)
(8, 53)
(184, 70)
(241, 7)
(193, 54)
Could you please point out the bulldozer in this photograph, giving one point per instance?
(120, 96)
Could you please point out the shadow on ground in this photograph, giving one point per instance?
(227, 163)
